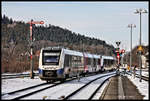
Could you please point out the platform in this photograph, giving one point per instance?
(120, 88)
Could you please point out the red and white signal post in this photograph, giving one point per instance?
(31, 38)
(117, 51)
(118, 57)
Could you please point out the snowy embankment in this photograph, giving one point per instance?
(143, 86)
(144, 72)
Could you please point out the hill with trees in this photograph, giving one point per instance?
(15, 43)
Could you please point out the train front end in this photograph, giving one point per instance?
(50, 64)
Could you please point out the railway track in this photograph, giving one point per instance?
(34, 89)
(22, 93)
(81, 91)
(31, 90)
(24, 89)
(138, 76)
(11, 76)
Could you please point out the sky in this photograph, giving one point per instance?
(106, 21)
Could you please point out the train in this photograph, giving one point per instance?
(61, 63)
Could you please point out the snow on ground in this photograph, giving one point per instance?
(9, 85)
(100, 91)
(143, 86)
(7, 96)
(145, 72)
(27, 72)
(87, 92)
(63, 89)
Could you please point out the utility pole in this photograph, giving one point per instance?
(31, 46)
(140, 11)
(131, 26)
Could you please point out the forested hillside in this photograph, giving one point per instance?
(15, 43)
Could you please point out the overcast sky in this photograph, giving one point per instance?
(103, 20)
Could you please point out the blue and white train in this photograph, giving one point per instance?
(61, 63)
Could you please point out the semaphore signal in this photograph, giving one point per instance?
(31, 38)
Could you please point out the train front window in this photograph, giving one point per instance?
(51, 58)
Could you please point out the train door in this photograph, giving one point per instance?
(102, 64)
(85, 65)
(67, 65)
(90, 64)
(94, 65)
(98, 65)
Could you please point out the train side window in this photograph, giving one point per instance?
(66, 62)
(94, 62)
(88, 61)
(70, 61)
(99, 61)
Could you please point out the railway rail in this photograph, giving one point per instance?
(24, 89)
(86, 86)
(138, 76)
(12, 76)
(35, 89)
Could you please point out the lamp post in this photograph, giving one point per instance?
(31, 38)
(140, 11)
(131, 26)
